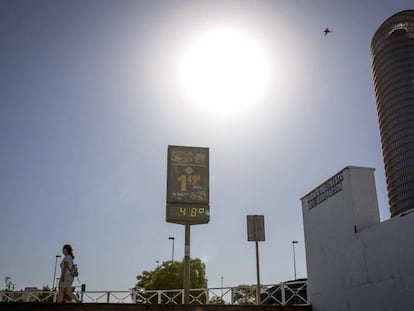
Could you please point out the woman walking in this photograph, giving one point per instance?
(66, 278)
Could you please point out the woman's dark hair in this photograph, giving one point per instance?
(69, 249)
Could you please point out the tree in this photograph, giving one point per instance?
(217, 301)
(170, 275)
(9, 284)
(9, 293)
(245, 295)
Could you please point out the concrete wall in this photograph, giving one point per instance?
(355, 262)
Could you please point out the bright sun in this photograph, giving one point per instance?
(225, 71)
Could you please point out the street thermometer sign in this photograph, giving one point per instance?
(188, 185)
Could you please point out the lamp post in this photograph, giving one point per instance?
(158, 263)
(222, 277)
(172, 255)
(54, 273)
(294, 257)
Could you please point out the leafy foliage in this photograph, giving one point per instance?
(217, 301)
(245, 295)
(170, 275)
(9, 285)
(9, 290)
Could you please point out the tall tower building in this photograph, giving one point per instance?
(392, 52)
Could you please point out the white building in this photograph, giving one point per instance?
(354, 261)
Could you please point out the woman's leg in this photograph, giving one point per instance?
(61, 294)
(71, 295)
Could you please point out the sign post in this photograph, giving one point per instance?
(187, 265)
(256, 233)
(187, 195)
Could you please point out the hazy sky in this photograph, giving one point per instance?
(89, 104)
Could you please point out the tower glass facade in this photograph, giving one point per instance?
(392, 52)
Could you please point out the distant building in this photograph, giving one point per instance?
(392, 51)
(354, 261)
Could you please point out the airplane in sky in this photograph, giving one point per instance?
(326, 31)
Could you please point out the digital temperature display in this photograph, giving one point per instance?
(188, 214)
(188, 185)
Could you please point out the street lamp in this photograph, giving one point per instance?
(54, 273)
(294, 257)
(172, 256)
(222, 277)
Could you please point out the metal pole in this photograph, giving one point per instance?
(83, 289)
(222, 287)
(294, 257)
(258, 274)
(294, 260)
(54, 273)
(187, 265)
(172, 251)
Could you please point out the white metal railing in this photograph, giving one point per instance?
(289, 293)
(28, 296)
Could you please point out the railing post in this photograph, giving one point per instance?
(83, 289)
(307, 296)
(232, 296)
(159, 297)
(108, 297)
(134, 296)
(208, 296)
(282, 291)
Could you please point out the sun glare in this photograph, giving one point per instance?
(224, 70)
